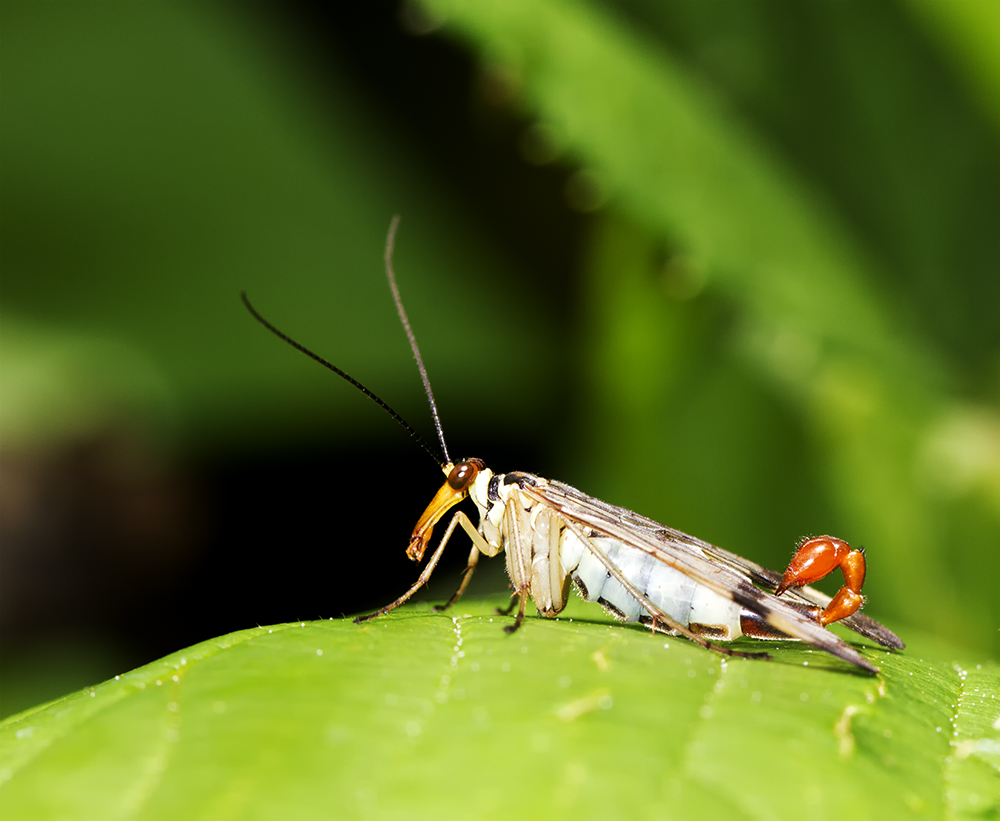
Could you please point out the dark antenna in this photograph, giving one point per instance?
(377, 400)
(390, 242)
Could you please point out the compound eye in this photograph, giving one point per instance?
(463, 475)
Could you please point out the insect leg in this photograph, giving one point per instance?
(510, 628)
(657, 616)
(506, 611)
(516, 543)
(470, 568)
(819, 556)
(458, 518)
(479, 546)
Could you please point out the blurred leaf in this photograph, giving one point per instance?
(158, 159)
(421, 715)
(969, 30)
(56, 385)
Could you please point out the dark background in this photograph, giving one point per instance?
(170, 472)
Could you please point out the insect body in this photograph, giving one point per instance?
(637, 569)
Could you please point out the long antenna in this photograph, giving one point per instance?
(376, 399)
(389, 244)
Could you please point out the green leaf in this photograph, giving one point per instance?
(444, 715)
(969, 32)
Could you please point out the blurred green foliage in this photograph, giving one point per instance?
(158, 159)
(783, 319)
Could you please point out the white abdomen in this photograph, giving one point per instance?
(684, 600)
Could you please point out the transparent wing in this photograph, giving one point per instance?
(725, 573)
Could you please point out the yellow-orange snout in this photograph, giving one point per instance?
(444, 500)
(456, 488)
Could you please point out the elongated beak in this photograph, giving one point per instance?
(445, 499)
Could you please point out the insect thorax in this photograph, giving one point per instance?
(491, 494)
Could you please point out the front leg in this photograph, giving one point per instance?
(470, 568)
(820, 556)
(479, 545)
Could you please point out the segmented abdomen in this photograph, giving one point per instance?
(680, 597)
